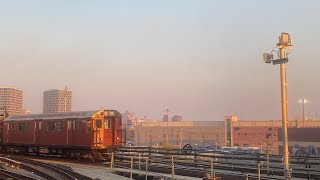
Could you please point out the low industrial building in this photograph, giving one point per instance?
(264, 134)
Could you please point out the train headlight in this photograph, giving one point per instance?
(101, 140)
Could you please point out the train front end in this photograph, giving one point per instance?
(108, 132)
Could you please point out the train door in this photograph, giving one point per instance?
(97, 132)
(37, 131)
(114, 133)
(108, 134)
(120, 132)
(69, 132)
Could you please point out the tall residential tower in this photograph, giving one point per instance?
(11, 100)
(57, 100)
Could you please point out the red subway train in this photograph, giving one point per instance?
(83, 134)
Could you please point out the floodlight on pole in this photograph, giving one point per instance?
(267, 58)
(303, 101)
(284, 43)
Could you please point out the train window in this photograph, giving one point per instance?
(88, 123)
(23, 126)
(11, 126)
(69, 125)
(107, 124)
(51, 126)
(54, 126)
(88, 126)
(58, 126)
(74, 125)
(38, 125)
(98, 123)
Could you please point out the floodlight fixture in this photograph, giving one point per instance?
(267, 58)
(303, 101)
(284, 40)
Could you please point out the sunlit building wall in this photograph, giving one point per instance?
(57, 100)
(11, 98)
(262, 134)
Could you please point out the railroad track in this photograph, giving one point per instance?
(47, 170)
(6, 174)
(200, 161)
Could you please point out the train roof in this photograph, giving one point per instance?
(60, 115)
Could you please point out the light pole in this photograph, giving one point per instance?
(303, 101)
(167, 111)
(284, 43)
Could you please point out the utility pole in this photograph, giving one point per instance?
(167, 111)
(303, 116)
(284, 43)
(287, 172)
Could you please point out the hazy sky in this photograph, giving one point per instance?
(200, 59)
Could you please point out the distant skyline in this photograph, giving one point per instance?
(200, 59)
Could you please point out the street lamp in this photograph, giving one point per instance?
(303, 101)
(284, 43)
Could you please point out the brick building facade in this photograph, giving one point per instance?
(230, 132)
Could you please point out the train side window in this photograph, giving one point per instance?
(99, 123)
(88, 126)
(69, 125)
(51, 126)
(11, 126)
(107, 124)
(23, 126)
(74, 125)
(58, 126)
(54, 126)
(37, 125)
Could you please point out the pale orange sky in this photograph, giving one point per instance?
(202, 60)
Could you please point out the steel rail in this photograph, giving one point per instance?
(6, 174)
(53, 171)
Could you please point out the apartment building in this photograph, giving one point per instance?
(11, 100)
(57, 100)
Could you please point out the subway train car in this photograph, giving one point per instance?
(86, 134)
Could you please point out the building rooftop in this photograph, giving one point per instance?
(9, 87)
